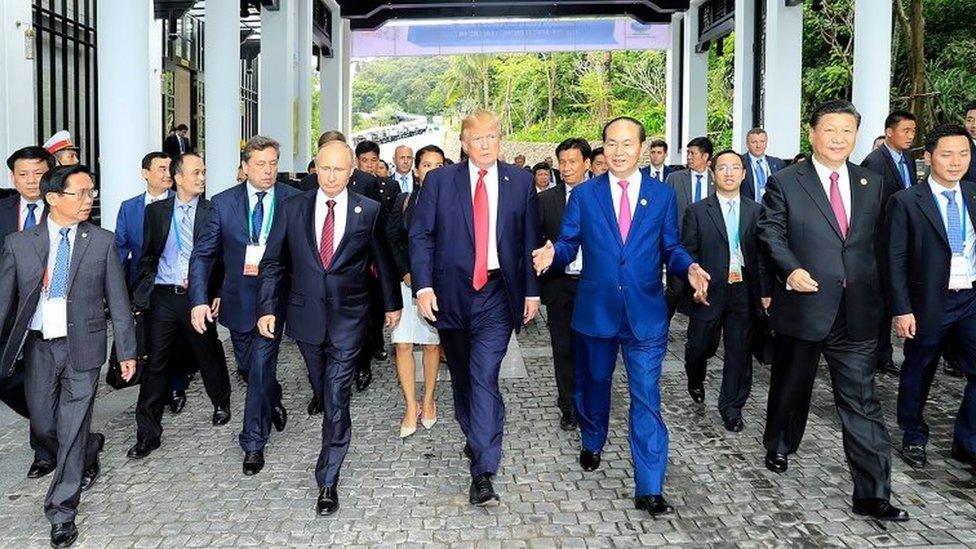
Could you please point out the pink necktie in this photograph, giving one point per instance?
(624, 219)
(480, 199)
(837, 204)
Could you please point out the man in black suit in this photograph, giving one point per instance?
(559, 286)
(598, 162)
(720, 234)
(171, 227)
(931, 269)
(327, 241)
(971, 130)
(178, 142)
(894, 162)
(821, 224)
(22, 210)
(759, 165)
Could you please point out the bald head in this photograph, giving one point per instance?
(403, 159)
(333, 167)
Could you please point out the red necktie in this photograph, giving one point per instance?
(328, 233)
(480, 277)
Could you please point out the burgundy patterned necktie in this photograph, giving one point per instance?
(328, 233)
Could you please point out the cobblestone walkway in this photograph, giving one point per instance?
(191, 493)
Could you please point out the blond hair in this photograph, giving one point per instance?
(479, 117)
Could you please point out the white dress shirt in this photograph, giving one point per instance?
(633, 192)
(404, 180)
(657, 172)
(491, 187)
(969, 244)
(252, 202)
(22, 217)
(576, 267)
(150, 198)
(54, 240)
(844, 183)
(694, 181)
(322, 209)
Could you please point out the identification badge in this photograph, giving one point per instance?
(252, 258)
(735, 268)
(959, 276)
(55, 318)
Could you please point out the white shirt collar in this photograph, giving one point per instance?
(491, 175)
(694, 175)
(253, 191)
(756, 158)
(938, 189)
(632, 179)
(24, 202)
(340, 199)
(725, 201)
(824, 172)
(895, 153)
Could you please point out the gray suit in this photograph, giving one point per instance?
(681, 183)
(65, 367)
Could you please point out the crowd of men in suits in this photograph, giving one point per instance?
(826, 254)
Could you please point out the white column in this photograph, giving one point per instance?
(672, 114)
(276, 80)
(694, 92)
(123, 104)
(17, 109)
(743, 79)
(872, 70)
(156, 129)
(348, 74)
(303, 85)
(222, 92)
(331, 73)
(784, 60)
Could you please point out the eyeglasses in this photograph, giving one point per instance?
(83, 193)
(728, 168)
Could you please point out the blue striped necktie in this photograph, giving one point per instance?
(62, 262)
(186, 239)
(954, 222)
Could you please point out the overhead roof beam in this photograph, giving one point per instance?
(636, 11)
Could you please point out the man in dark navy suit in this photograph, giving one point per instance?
(471, 242)
(759, 165)
(23, 210)
(237, 228)
(657, 152)
(971, 130)
(931, 269)
(326, 240)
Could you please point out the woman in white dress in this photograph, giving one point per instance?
(413, 329)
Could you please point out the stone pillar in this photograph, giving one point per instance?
(672, 123)
(303, 85)
(123, 104)
(744, 77)
(17, 108)
(156, 130)
(276, 80)
(222, 92)
(694, 93)
(872, 70)
(331, 77)
(784, 61)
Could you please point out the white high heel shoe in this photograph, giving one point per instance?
(407, 431)
(428, 423)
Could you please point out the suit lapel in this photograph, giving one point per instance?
(203, 208)
(82, 239)
(462, 187)
(807, 177)
(504, 194)
(42, 244)
(641, 209)
(685, 188)
(605, 199)
(169, 207)
(309, 213)
(714, 209)
(859, 188)
(926, 202)
(242, 211)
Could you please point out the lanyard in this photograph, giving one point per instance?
(964, 218)
(265, 220)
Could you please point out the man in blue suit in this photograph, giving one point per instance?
(628, 227)
(759, 165)
(657, 153)
(237, 229)
(471, 240)
(971, 130)
(326, 240)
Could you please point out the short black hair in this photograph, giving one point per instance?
(703, 144)
(176, 166)
(577, 143)
(971, 106)
(367, 147)
(541, 166)
(182, 128)
(427, 149)
(724, 152)
(596, 152)
(659, 143)
(940, 131)
(311, 164)
(385, 165)
(147, 160)
(642, 134)
(56, 179)
(835, 106)
(32, 152)
(896, 117)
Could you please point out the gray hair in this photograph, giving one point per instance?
(259, 143)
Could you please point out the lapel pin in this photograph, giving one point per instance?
(357, 209)
(864, 181)
(643, 202)
(84, 235)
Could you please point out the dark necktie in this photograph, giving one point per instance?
(328, 234)
(257, 217)
(31, 219)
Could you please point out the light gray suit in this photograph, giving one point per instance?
(62, 374)
(681, 183)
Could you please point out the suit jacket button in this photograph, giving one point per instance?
(70, 324)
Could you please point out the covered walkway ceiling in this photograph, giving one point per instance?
(372, 14)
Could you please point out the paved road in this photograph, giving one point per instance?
(190, 493)
(433, 137)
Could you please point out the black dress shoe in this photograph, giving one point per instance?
(697, 394)
(142, 448)
(655, 505)
(91, 473)
(314, 406)
(363, 379)
(961, 454)
(221, 413)
(63, 534)
(879, 509)
(328, 502)
(889, 367)
(177, 400)
(568, 421)
(776, 462)
(952, 369)
(381, 354)
(734, 424)
(482, 493)
(589, 461)
(914, 455)
(279, 417)
(40, 468)
(253, 463)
